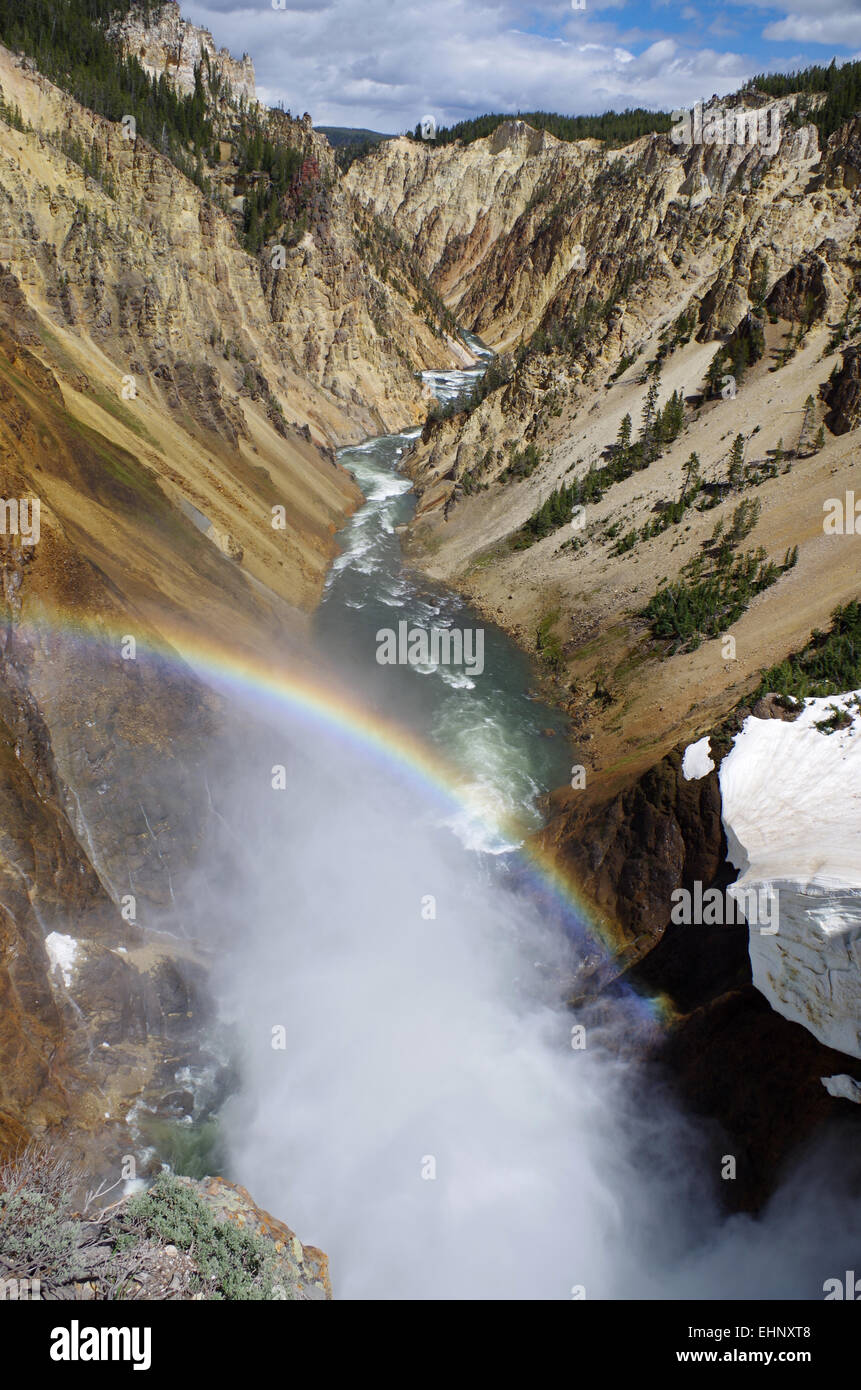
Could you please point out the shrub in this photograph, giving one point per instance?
(829, 665)
(702, 605)
(235, 1263)
(38, 1237)
(837, 719)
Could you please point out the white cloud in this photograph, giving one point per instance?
(811, 21)
(372, 63)
(827, 29)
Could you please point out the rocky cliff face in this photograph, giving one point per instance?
(139, 298)
(104, 783)
(457, 204)
(742, 1045)
(842, 394)
(172, 403)
(605, 272)
(630, 851)
(166, 45)
(518, 227)
(336, 315)
(150, 498)
(667, 277)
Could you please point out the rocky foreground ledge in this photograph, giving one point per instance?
(181, 1238)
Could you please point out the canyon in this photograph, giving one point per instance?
(190, 407)
(175, 407)
(661, 253)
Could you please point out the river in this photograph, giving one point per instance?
(424, 1122)
(415, 1096)
(507, 744)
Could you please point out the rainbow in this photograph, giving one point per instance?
(320, 704)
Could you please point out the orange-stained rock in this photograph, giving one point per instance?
(304, 1264)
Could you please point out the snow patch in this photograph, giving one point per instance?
(697, 760)
(843, 1087)
(791, 796)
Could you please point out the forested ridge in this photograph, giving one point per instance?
(613, 127)
(840, 85)
(68, 42)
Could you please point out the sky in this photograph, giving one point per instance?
(385, 64)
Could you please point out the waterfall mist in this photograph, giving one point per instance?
(427, 1121)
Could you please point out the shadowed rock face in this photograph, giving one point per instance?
(802, 294)
(630, 852)
(753, 1073)
(758, 1078)
(842, 394)
(103, 789)
(80, 1036)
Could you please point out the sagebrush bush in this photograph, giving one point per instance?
(38, 1235)
(235, 1263)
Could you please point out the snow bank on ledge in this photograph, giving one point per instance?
(791, 797)
(697, 760)
(843, 1087)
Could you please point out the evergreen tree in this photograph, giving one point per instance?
(806, 421)
(735, 474)
(648, 432)
(718, 368)
(691, 479)
(740, 358)
(672, 418)
(615, 128)
(759, 285)
(623, 446)
(841, 86)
